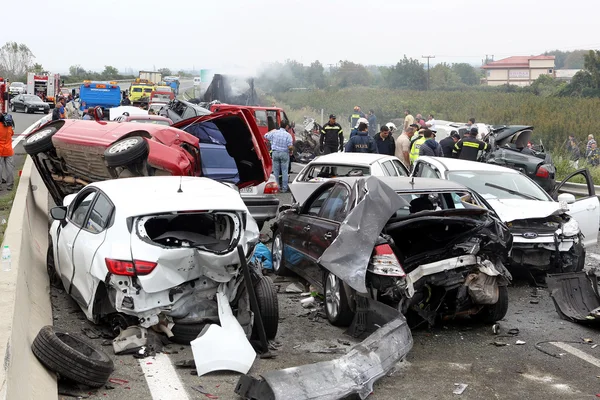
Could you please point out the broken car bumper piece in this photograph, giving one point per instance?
(575, 296)
(353, 373)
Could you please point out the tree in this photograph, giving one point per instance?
(76, 70)
(575, 59)
(315, 75)
(351, 74)
(467, 73)
(442, 76)
(545, 86)
(408, 73)
(592, 65)
(110, 72)
(165, 71)
(37, 68)
(15, 59)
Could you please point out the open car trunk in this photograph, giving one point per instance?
(243, 141)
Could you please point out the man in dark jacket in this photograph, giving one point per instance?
(332, 137)
(430, 147)
(384, 141)
(448, 143)
(468, 147)
(372, 123)
(361, 142)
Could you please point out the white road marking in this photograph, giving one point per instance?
(162, 379)
(16, 141)
(22, 135)
(577, 353)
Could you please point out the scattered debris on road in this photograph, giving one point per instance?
(460, 388)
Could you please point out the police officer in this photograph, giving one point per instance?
(468, 147)
(332, 137)
(415, 146)
(362, 142)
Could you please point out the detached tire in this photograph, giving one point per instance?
(126, 151)
(494, 312)
(40, 141)
(185, 333)
(268, 306)
(71, 357)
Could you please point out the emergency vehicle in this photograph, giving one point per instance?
(102, 94)
(140, 91)
(46, 86)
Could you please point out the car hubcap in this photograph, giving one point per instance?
(332, 295)
(122, 146)
(277, 253)
(39, 135)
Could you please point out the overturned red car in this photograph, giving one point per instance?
(69, 154)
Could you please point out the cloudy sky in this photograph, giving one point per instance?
(243, 34)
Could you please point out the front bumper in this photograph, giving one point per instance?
(540, 252)
(262, 208)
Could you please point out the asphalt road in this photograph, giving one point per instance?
(456, 352)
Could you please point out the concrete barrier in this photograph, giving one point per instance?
(24, 293)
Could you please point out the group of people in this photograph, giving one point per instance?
(592, 152)
(417, 138)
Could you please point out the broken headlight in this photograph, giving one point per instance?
(570, 228)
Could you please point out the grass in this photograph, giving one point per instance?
(6, 202)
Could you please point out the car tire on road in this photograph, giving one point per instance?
(26, 110)
(40, 141)
(13, 108)
(494, 312)
(337, 307)
(185, 333)
(55, 280)
(277, 254)
(126, 151)
(268, 306)
(71, 357)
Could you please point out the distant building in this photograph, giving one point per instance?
(518, 70)
(565, 75)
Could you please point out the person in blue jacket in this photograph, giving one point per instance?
(361, 142)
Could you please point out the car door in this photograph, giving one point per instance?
(402, 171)
(87, 242)
(586, 208)
(388, 168)
(298, 235)
(325, 227)
(67, 234)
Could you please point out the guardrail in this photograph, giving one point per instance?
(578, 189)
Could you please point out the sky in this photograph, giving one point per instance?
(238, 36)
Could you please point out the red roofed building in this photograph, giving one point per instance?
(518, 70)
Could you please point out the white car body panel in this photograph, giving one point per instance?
(587, 213)
(512, 209)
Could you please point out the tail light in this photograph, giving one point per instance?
(542, 172)
(271, 188)
(128, 268)
(384, 262)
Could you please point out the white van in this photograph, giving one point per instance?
(197, 81)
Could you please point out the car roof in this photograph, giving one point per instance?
(454, 164)
(350, 158)
(160, 194)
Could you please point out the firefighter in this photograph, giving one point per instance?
(332, 137)
(355, 116)
(468, 147)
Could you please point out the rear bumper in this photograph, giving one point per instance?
(262, 208)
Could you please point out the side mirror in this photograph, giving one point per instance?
(58, 213)
(567, 198)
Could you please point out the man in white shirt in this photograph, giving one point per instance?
(430, 122)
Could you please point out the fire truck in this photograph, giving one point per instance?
(46, 87)
(3, 96)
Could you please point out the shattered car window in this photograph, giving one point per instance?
(433, 202)
(329, 171)
(499, 185)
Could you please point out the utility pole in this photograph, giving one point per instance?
(427, 57)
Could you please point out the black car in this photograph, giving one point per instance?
(509, 148)
(29, 103)
(427, 247)
(178, 110)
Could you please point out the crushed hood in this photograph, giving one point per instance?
(244, 142)
(514, 209)
(348, 255)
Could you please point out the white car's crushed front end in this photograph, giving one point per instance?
(179, 260)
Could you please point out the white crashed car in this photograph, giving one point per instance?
(340, 165)
(550, 233)
(158, 249)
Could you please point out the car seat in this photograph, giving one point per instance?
(421, 204)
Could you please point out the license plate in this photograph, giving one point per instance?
(249, 189)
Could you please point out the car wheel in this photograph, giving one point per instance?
(71, 357)
(26, 110)
(40, 141)
(126, 151)
(266, 295)
(46, 111)
(277, 254)
(337, 307)
(13, 108)
(185, 333)
(51, 266)
(494, 312)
